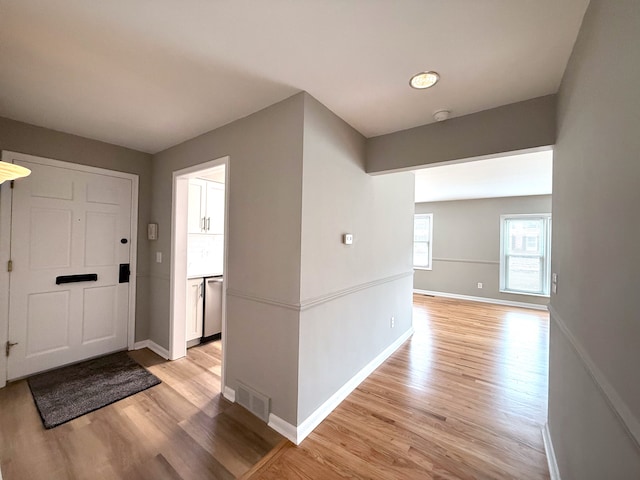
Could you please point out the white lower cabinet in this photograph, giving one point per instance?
(195, 305)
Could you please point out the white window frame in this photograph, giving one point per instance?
(546, 253)
(430, 241)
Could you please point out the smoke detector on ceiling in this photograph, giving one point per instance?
(441, 115)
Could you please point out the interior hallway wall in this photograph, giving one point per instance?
(264, 224)
(594, 390)
(348, 293)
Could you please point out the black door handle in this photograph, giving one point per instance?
(85, 277)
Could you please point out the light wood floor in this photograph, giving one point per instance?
(180, 429)
(464, 398)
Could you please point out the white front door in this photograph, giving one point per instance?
(70, 241)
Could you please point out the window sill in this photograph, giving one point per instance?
(422, 268)
(525, 293)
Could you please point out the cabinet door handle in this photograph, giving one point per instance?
(208, 223)
(203, 224)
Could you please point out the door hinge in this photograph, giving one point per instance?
(8, 346)
(12, 182)
(10, 266)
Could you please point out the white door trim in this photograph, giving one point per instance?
(178, 299)
(5, 241)
(5, 238)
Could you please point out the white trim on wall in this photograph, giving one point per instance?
(494, 301)
(153, 346)
(178, 261)
(299, 433)
(229, 393)
(619, 407)
(462, 260)
(554, 472)
(314, 302)
(5, 227)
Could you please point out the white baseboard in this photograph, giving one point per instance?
(493, 301)
(299, 433)
(554, 472)
(229, 394)
(153, 346)
(284, 428)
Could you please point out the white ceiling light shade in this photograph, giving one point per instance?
(10, 171)
(424, 80)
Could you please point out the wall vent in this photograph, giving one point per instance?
(255, 402)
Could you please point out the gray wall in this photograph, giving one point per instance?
(518, 126)
(466, 245)
(263, 270)
(24, 138)
(348, 293)
(304, 312)
(595, 334)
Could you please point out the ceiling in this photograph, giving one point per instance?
(508, 176)
(149, 74)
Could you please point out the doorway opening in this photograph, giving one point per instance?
(199, 256)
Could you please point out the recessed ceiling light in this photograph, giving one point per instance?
(424, 80)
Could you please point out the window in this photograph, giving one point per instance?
(422, 235)
(525, 254)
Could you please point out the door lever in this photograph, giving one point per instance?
(7, 348)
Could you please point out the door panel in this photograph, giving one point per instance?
(67, 222)
(100, 315)
(195, 307)
(196, 206)
(101, 239)
(56, 186)
(46, 222)
(47, 322)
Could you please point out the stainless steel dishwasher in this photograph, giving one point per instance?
(212, 307)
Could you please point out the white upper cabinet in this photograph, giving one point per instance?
(214, 212)
(197, 206)
(206, 207)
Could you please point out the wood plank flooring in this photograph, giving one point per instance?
(181, 429)
(464, 398)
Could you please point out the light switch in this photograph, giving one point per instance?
(152, 231)
(347, 238)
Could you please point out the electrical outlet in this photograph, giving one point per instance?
(479, 284)
(393, 322)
